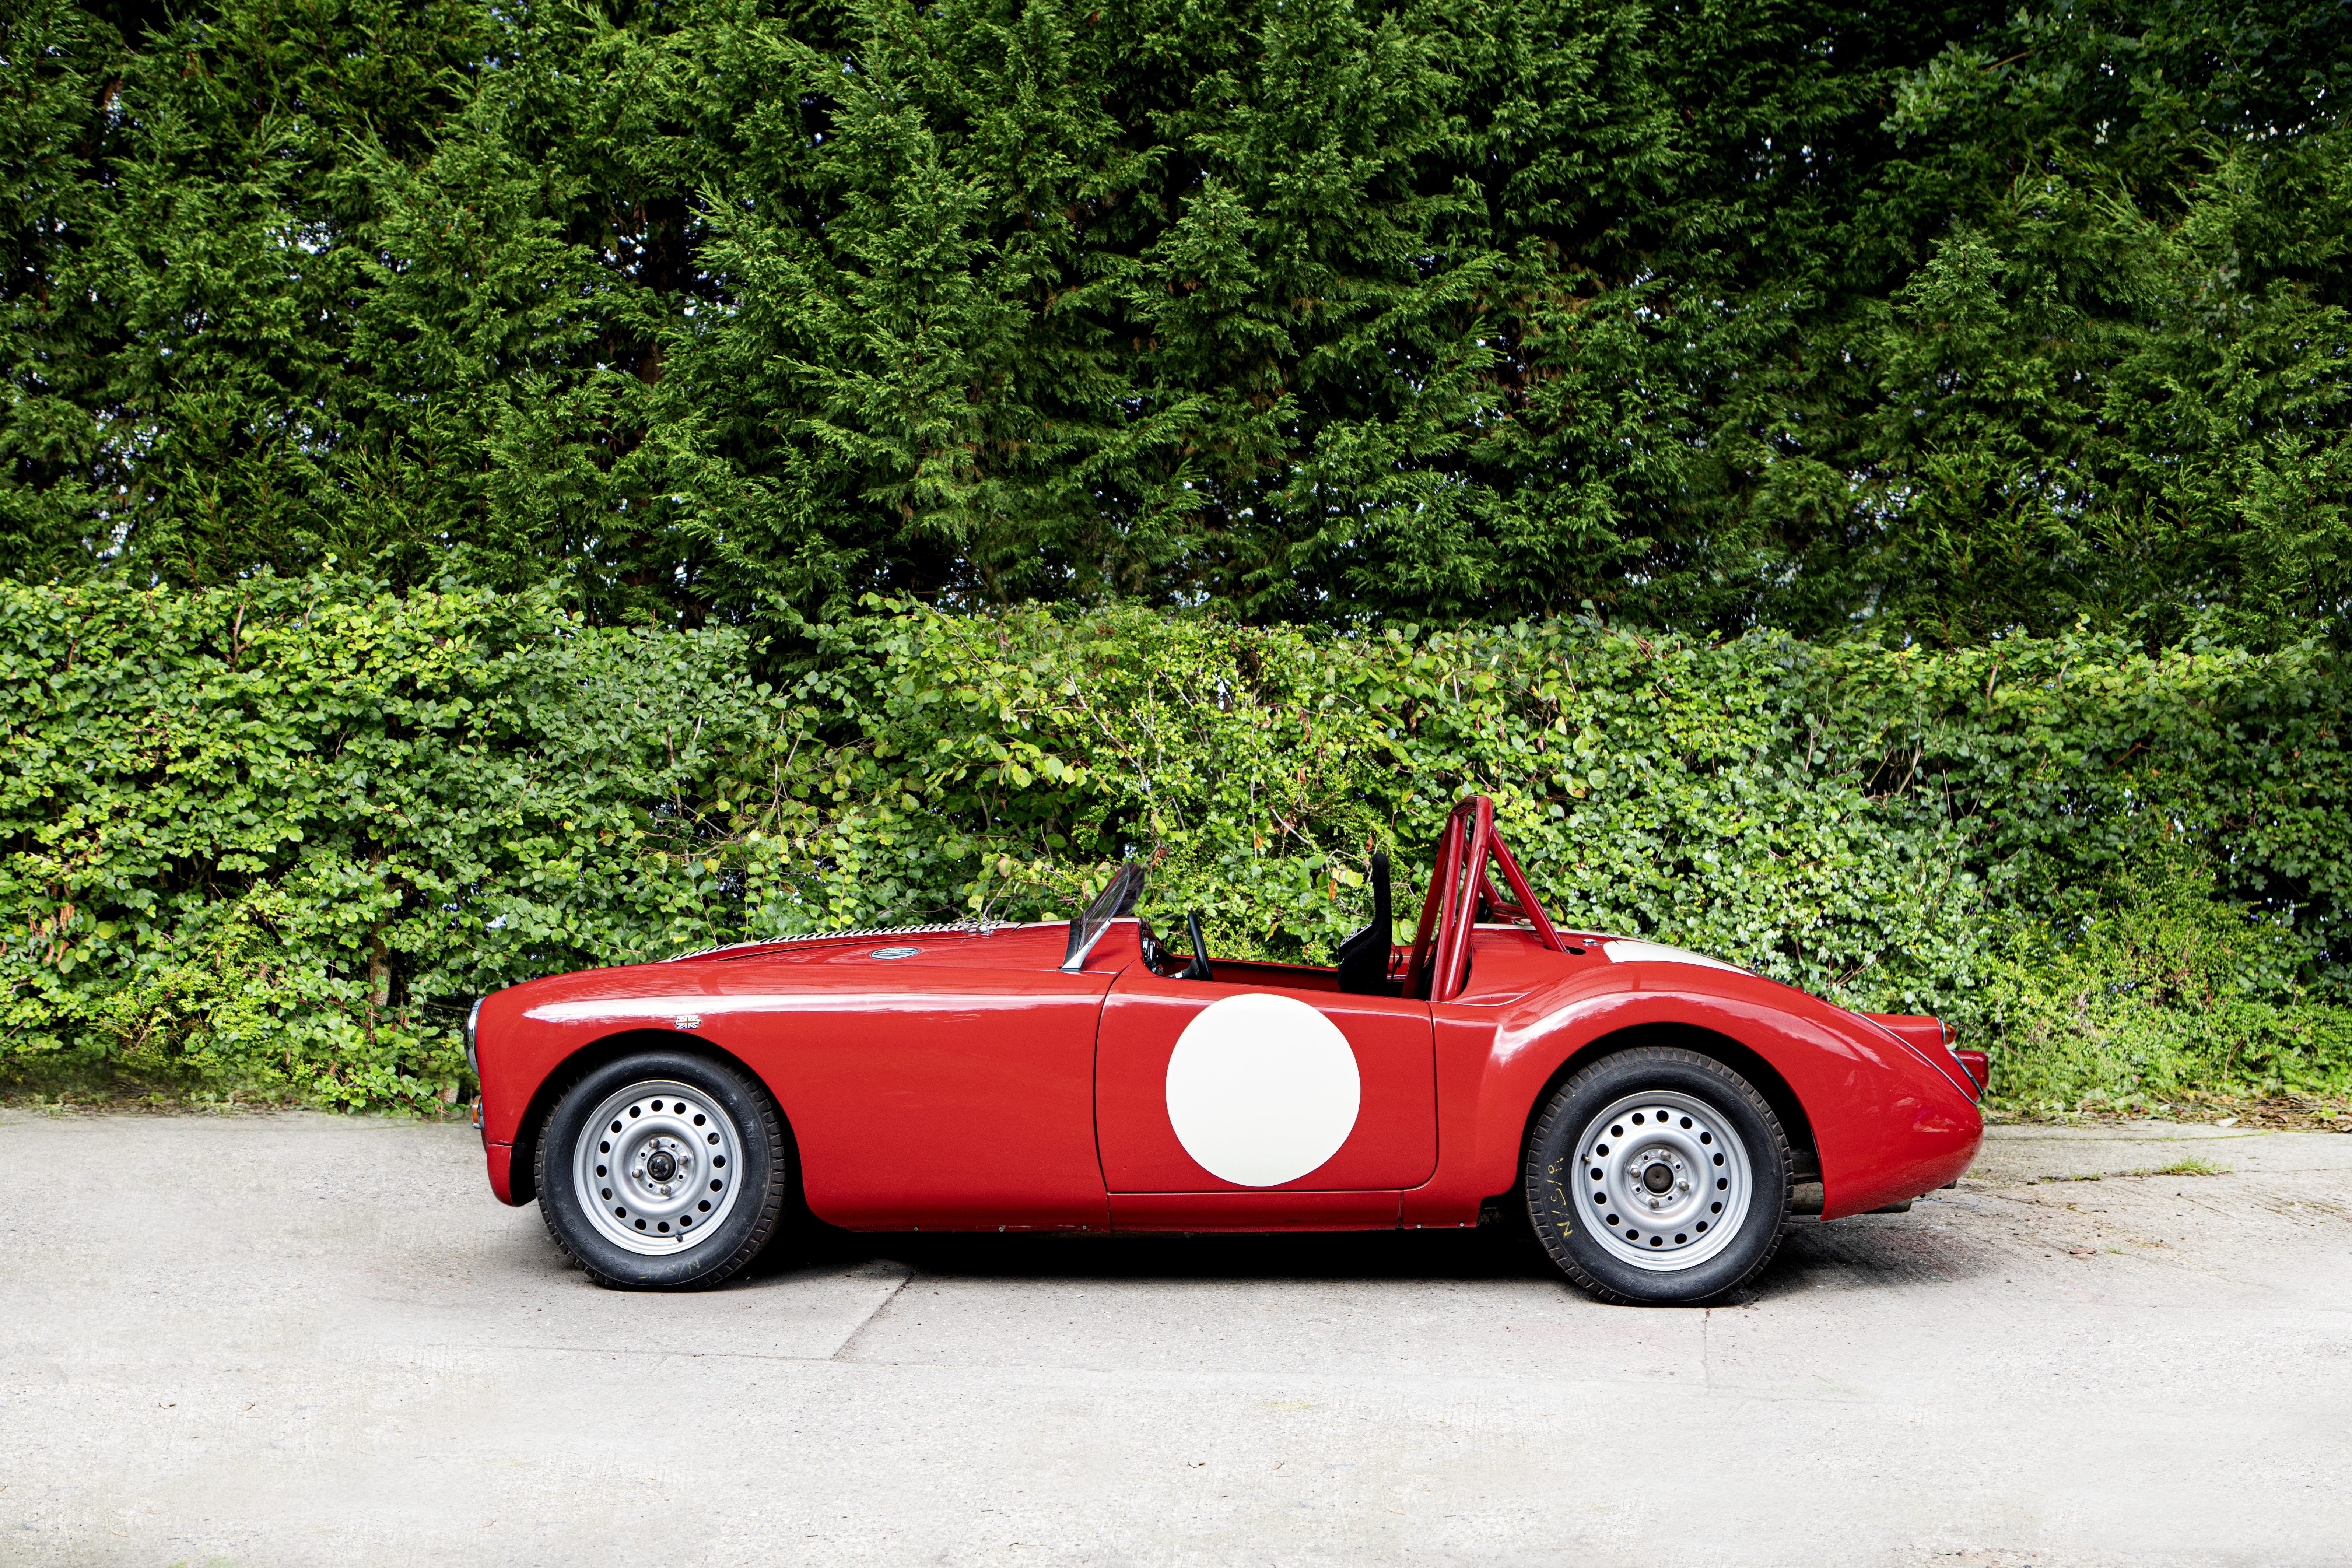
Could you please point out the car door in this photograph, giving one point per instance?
(1264, 1080)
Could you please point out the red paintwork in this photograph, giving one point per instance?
(952, 1090)
(1933, 1042)
(501, 1157)
(977, 1086)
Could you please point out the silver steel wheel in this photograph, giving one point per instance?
(655, 1167)
(1662, 1181)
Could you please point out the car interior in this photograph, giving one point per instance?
(1364, 958)
(1361, 967)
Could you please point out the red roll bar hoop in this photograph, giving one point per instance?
(1468, 852)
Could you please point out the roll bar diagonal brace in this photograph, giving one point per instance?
(1468, 853)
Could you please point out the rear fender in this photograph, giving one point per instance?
(1884, 1125)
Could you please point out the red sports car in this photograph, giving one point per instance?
(1657, 1112)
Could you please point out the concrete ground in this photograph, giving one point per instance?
(305, 1340)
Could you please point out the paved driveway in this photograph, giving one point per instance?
(306, 1340)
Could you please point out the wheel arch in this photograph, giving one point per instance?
(1744, 1059)
(524, 1162)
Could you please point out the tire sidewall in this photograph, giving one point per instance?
(1552, 1157)
(760, 1182)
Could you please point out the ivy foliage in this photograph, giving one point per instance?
(284, 833)
(1947, 319)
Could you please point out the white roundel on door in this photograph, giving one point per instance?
(1262, 1089)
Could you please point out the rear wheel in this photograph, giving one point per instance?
(1658, 1176)
(662, 1171)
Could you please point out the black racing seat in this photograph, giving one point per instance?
(1363, 962)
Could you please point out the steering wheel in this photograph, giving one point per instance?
(1199, 968)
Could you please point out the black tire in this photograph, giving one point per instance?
(753, 1187)
(1593, 1244)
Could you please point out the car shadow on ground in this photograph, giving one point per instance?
(1867, 1253)
(1489, 1252)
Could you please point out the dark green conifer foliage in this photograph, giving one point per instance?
(1939, 319)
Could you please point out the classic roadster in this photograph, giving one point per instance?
(1655, 1112)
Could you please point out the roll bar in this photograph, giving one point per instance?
(1468, 853)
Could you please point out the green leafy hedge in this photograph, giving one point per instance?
(281, 835)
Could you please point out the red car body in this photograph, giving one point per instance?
(964, 1078)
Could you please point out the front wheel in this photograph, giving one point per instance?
(662, 1171)
(1658, 1176)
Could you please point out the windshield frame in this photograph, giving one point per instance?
(1115, 902)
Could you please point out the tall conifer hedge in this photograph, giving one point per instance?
(1939, 319)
